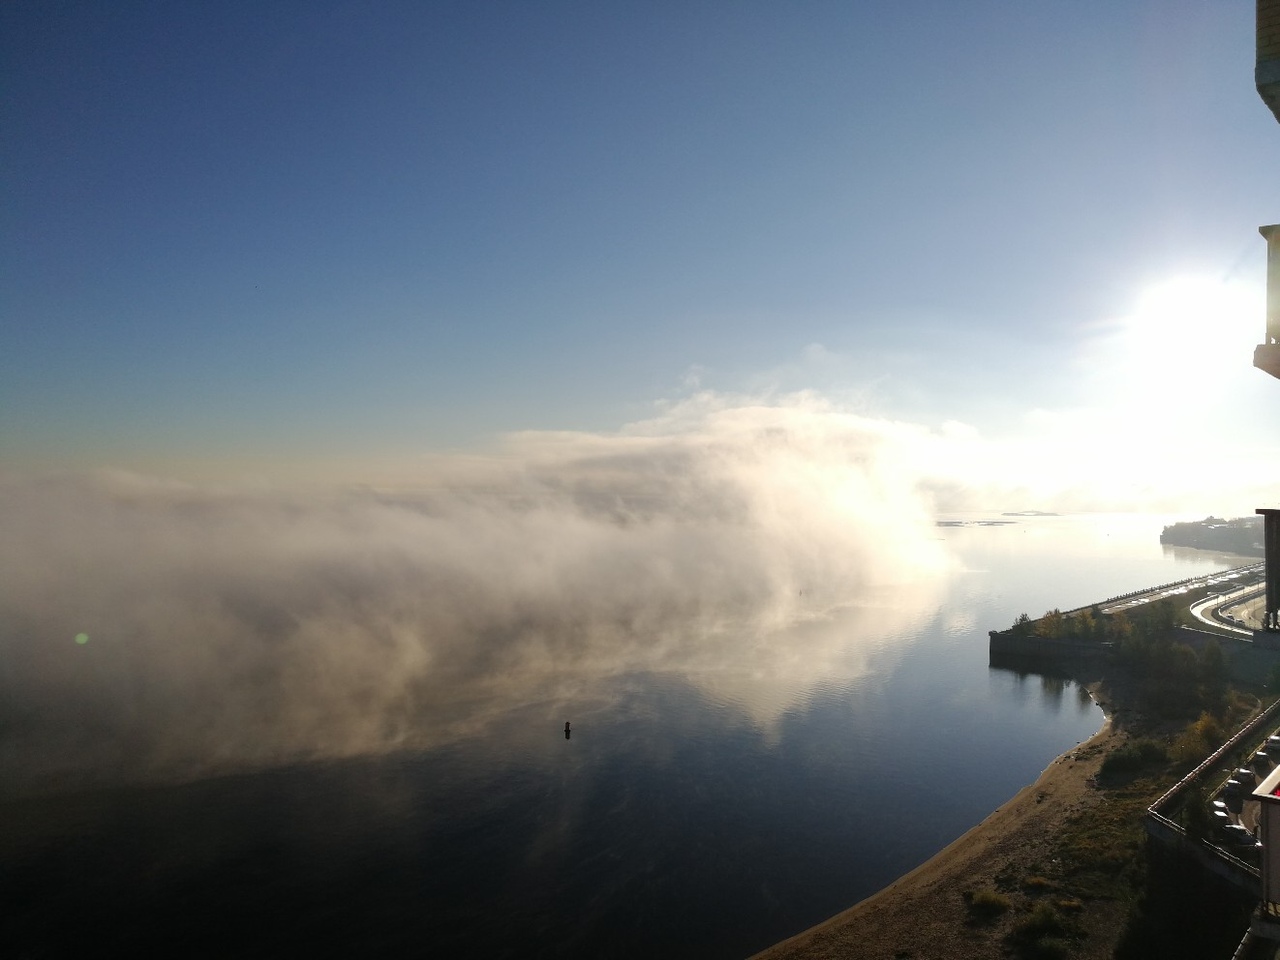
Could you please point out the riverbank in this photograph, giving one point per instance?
(925, 913)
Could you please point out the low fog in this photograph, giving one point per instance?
(755, 548)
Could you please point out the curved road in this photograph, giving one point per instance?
(1210, 610)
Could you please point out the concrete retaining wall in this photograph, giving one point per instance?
(1041, 648)
(1247, 661)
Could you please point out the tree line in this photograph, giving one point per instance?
(1176, 679)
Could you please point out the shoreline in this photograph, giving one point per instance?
(923, 912)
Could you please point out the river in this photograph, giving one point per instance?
(702, 808)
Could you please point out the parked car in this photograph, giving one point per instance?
(1237, 836)
(1233, 794)
(1239, 842)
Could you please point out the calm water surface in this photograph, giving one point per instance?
(699, 810)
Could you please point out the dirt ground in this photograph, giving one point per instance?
(923, 915)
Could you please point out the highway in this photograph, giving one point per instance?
(1229, 580)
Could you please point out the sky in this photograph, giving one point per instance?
(249, 242)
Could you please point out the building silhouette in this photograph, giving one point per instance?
(1266, 356)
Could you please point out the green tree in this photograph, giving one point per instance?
(1183, 666)
(1119, 627)
(1213, 674)
(1086, 627)
(1052, 624)
(1195, 814)
(1213, 663)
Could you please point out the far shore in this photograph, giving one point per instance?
(923, 914)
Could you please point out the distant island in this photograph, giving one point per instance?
(996, 523)
(1241, 536)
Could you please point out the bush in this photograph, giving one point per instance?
(1199, 739)
(1135, 755)
(1043, 921)
(1195, 813)
(1043, 934)
(986, 905)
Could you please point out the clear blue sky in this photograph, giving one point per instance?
(300, 230)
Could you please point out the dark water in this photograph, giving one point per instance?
(698, 812)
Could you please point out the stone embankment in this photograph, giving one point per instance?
(1005, 645)
(1247, 661)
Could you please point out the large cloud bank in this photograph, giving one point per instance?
(750, 546)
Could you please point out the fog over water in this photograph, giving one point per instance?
(232, 628)
(346, 706)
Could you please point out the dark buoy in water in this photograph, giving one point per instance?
(566, 729)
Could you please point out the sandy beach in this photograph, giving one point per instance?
(924, 915)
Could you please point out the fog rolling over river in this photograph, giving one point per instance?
(232, 629)
(262, 723)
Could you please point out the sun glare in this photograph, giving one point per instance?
(1156, 384)
(1189, 323)
(1184, 337)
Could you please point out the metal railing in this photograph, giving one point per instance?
(1162, 828)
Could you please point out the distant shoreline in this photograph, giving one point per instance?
(1019, 514)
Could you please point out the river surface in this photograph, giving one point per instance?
(696, 810)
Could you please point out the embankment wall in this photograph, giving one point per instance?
(1247, 662)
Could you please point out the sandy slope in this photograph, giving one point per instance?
(923, 915)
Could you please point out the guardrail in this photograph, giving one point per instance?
(1217, 860)
(1198, 578)
(1244, 733)
(1230, 571)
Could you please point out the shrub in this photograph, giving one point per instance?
(1042, 935)
(1195, 813)
(1135, 755)
(1043, 921)
(1209, 727)
(1199, 738)
(986, 905)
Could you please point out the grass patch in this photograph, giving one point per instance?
(1042, 921)
(1042, 934)
(986, 905)
(1100, 851)
(1134, 756)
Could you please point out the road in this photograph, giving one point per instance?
(1229, 580)
(1216, 610)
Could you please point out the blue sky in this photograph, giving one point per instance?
(275, 233)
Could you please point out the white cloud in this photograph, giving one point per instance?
(757, 546)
